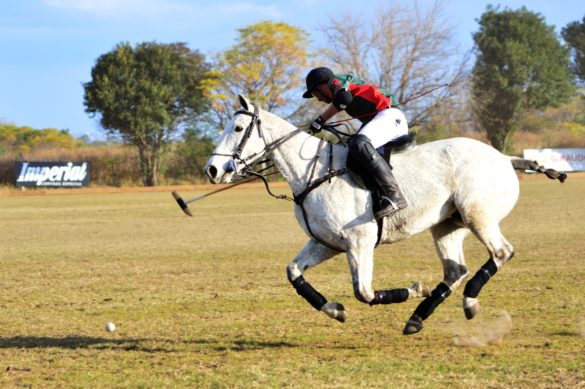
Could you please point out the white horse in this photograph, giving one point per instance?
(452, 186)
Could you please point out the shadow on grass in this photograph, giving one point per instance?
(565, 333)
(251, 345)
(79, 342)
(153, 345)
(131, 344)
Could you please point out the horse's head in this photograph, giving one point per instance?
(241, 145)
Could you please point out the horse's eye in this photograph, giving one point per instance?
(238, 128)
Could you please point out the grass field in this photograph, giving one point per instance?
(204, 301)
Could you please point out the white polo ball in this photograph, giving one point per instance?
(110, 327)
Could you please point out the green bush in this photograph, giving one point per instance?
(186, 160)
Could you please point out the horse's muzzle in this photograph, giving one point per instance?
(220, 172)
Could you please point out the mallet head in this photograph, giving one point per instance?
(182, 203)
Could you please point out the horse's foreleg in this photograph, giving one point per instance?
(361, 265)
(448, 237)
(311, 255)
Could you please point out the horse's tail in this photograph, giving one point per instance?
(525, 164)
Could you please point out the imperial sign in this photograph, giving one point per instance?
(57, 174)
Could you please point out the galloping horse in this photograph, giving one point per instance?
(452, 186)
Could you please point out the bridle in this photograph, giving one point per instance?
(253, 158)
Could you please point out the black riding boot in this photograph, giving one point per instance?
(389, 198)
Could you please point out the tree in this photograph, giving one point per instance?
(188, 159)
(266, 64)
(574, 35)
(17, 141)
(520, 65)
(405, 50)
(145, 94)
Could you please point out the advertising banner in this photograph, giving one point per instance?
(52, 174)
(566, 160)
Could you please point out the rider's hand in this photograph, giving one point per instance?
(317, 125)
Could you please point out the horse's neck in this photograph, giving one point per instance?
(295, 159)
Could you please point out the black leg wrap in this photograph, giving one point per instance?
(390, 296)
(474, 285)
(427, 307)
(305, 290)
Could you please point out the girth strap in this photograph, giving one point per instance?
(301, 196)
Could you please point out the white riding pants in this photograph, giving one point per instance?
(387, 125)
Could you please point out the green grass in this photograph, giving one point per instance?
(204, 301)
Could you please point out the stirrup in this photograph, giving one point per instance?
(389, 210)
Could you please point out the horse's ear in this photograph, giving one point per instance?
(244, 102)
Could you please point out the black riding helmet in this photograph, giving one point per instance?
(315, 77)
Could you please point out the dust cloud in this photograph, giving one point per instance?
(484, 333)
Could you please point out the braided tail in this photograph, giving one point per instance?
(525, 164)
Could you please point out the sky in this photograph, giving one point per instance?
(48, 47)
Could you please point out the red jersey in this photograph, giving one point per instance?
(361, 101)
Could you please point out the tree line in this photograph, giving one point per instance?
(150, 94)
(111, 162)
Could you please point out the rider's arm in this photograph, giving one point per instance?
(342, 97)
(330, 112)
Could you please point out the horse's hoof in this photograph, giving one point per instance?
(413, 325)
(470, 307)
(335, 311)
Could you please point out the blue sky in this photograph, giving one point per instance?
(48, 47)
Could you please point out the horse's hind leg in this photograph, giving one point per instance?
(311, 255)
(448, 236)
(500, 251)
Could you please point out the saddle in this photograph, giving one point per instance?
(400, 144)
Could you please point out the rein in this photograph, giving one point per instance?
(391, 105)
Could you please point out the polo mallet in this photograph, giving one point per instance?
(185, 204)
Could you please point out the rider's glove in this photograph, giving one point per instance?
(317, 125)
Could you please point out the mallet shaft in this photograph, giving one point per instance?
(184, 204)
(221, 189)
